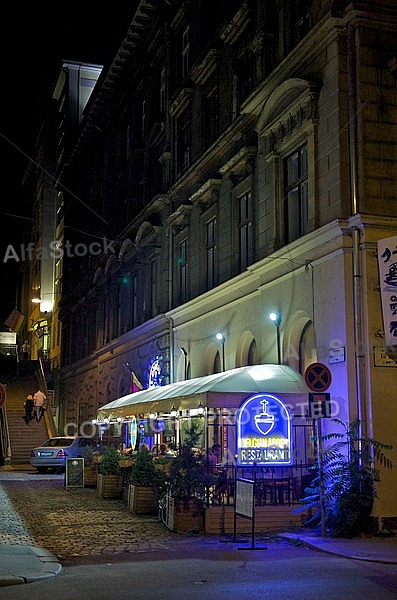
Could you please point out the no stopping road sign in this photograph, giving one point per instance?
(318, 377)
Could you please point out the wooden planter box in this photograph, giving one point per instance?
(90, 476)
(109, 486)
(142, 500)
(185, 517)
(220, 519)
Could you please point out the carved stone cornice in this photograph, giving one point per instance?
(181, 101)
(208, 194)
(236, 26)
(206, 68)
(244, 160)
(180, 218)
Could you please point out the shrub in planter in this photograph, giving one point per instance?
(109, 464)
(143, 491)
(188, 473)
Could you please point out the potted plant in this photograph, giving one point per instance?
(188, 483)
(90, 468)
(145, 482)
(109, 479)
(346, 487)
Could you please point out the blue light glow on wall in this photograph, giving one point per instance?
(263, 432)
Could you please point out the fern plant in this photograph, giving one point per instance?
(350, 471)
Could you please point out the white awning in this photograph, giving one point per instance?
(221, 390)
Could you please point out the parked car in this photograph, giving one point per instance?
(54, 452)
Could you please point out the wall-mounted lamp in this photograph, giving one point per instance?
(120, 419)
(276, 318)
(184, 352)
(153, 415)
(173, 412)
(200, 409)
(221, 338)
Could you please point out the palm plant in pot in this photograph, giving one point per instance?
(188, 484)
(109, 479)
(146, 480)
(350, 470)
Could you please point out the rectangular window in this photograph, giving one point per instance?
(162, 91)
(211, 253)
(184, 142)
(245, 231)
(185, 52)
(210, 109)
(296, 194)
(153, 287)
(143, 120)
(134, 300)
(183, 270)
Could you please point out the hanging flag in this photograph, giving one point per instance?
(15, 321)
(136, 385)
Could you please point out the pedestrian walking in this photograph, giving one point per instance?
(39, 399)
(25, 349)
(28, 406)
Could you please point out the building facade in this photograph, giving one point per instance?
(235, 159)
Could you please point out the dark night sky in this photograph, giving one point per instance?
(32, 52)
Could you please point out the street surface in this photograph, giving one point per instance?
(109, 553)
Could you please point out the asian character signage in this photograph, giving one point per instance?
(263, 432)
(387, 264)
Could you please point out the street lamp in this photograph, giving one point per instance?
(184, 352)
(221, 338)
(275, 317)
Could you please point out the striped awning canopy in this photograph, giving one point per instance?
(221, 390)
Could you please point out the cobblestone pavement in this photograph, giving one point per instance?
(76, 522)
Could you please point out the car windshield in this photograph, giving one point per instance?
(59, 442)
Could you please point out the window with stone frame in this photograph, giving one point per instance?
(245, 228)
(183, 271)
(185, 48)
(210, 114)
(296, 194)
(153, 287)
(211, 239)
(162, 91)
(183, 141)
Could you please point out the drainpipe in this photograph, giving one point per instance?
(358, 336)
(356, 266)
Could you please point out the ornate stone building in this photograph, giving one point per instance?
(236, 158)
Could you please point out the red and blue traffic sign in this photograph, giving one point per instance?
(318, 377)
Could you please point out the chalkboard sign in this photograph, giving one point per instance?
(74, 472)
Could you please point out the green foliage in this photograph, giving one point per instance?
(188, 474)
(109, 464)
(349, 475)
(143, 472)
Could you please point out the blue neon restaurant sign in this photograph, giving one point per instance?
(263, 432)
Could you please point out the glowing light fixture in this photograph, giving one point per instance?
(276, 318)
(222, 339)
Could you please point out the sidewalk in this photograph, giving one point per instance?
(21, 561)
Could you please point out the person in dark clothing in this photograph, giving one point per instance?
(29, 405)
